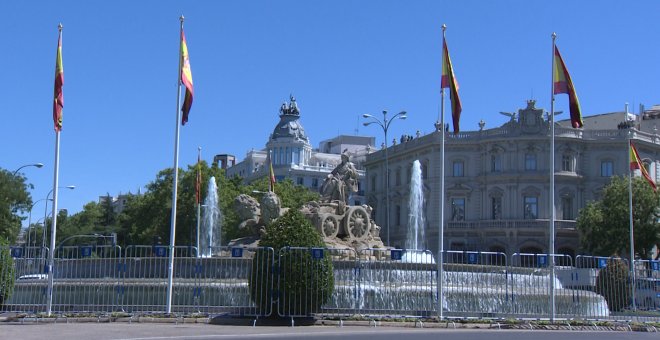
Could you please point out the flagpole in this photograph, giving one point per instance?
(630, 210)
(170, 273)
(198, 187)
(53, 232)
(551, 247)
(441, 231)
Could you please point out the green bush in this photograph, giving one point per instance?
(613, 283)
(6, 273)
(303, 283)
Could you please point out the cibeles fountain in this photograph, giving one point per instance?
(341, 225)
(410, 282)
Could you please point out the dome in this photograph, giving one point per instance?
(289, 126)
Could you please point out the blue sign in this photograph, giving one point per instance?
(472, 258)
(86, 251)
(396, 254)
(236, 252)
(542, 260)
(655, 265)
(16, 252)
(160, 251)
(602, 263)
(317, 253)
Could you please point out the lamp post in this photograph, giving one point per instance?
(38, 165)
(70, 187)
(385, 125)
(30, 217)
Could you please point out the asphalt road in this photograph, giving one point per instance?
(156, 331)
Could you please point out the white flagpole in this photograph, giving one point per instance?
(198, 186)
(551, 247)
(53, 232)
(170, 273)
(441, 227)
(632, 234)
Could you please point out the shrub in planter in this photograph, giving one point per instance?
(302, 283)
(6, 273)
(613, 283)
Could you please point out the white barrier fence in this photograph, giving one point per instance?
(330, 283)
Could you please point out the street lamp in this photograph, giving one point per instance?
(38, 165)
(30, 217)
(70, 187)
(385, 124)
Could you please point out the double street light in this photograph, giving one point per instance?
(70, 187)
(385, 125)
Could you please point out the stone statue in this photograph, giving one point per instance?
(340, 182)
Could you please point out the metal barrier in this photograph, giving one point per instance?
(237, 282)
(397, 282)
(475, 284)
(321, 282)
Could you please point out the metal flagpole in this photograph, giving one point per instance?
(170, 273)
(551, 247)
(632, 234)
(441, 227)
(198, 187)
(53, 233)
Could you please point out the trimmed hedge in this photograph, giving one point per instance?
(613, 283)
(6, 273)
(301, 283)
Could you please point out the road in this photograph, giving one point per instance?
(158, 331)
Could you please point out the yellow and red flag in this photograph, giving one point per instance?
(186, 80)
(636, 163)
(449, 81)
(562, 83)
(58, 102)
(271, 176)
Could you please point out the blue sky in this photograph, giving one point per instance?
(339, 58)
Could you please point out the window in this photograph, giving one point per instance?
(567, 208)
(606, 168)
(495, 163)
(530, 161)
(398, 176)
(496, 208)
(458, 209)
(315, 182)
(373, 182)
(567, 163)
(300, 180)
(458, 169)
(425, 171)
(409, 174)
(531, 207)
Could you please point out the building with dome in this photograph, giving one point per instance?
(293, 157)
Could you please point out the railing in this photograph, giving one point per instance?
(511, 224)
(333, 283)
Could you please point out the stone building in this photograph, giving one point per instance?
(293, 157)
(497, 180)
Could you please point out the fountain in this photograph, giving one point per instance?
(210, 235)
(415, 238)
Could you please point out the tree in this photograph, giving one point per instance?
(604, 225)
(14, 200)
(613, 283)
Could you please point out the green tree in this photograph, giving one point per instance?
(605, 227)
(613, 283)
(14, 200)
(308, 283)
(6, 272)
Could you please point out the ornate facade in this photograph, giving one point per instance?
(497, 180)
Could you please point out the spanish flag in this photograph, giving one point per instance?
(58, 102)
(186, 79)
(636, 163)
(562, 83)
(449, 81)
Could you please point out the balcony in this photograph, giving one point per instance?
(511, 224)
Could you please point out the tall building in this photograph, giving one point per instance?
(293, 157)
(498, 180)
